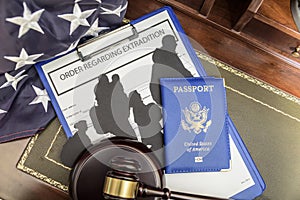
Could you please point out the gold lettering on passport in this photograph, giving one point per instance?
(193, 88)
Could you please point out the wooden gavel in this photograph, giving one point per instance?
(122, 183)
(120, 168)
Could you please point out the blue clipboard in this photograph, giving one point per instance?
(250, 193)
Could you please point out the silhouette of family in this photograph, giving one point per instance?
(111, 113)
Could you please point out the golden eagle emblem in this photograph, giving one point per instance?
(195, 118)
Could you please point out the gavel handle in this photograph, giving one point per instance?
(146, 191)
(184, 196)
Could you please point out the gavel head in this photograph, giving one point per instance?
(122, 182)
(114, 169)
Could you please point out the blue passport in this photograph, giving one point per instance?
(195, 124)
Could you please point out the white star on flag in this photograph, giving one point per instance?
(23, 59)
(13, 80)
(117, 11)
(71, 47)
(95, 29)
(28, 21)
(2, 111)
(77, 18)
(41, 97)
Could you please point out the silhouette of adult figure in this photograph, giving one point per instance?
(148, 117)
(167, 64)
(112, 109)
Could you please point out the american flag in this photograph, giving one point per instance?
(33, 31)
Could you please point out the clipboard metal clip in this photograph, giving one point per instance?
(135, 34)
(84, 58)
